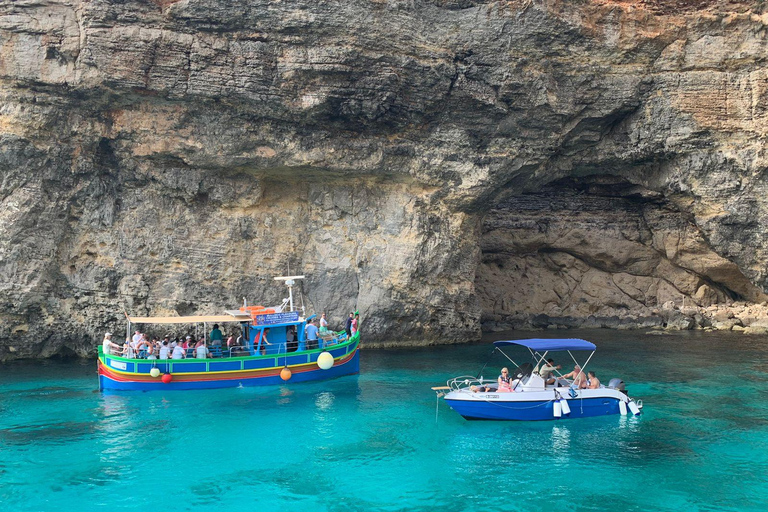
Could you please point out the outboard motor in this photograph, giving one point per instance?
(617, 384)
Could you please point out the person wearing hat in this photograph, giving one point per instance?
(107, 345)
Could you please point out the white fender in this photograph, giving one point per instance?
(623, 407)
(565, 407)
(634, 408)
(557, 408)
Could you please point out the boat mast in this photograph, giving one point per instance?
(289, 282)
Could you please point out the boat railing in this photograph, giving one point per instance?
(467, 381)
(223, 352)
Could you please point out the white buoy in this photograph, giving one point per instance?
(154, 372)
(325, 361)
(623, 407)
(557, 408)
(565, 407)
(634, 408)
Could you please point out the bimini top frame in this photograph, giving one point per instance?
(539, 348)
(545, 345)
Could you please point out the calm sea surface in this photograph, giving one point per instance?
(371, 442)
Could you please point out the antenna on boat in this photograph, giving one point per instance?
(289, 282)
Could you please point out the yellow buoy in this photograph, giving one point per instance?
(154, 372)
(285, 373)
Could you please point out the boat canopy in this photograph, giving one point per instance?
(211, 319)
(542, 345)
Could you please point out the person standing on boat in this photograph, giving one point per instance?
(355, 324)
(323, 323)
(108, 345)
(263, 342)
(290, 339)
(311, 334)
(348, 325)
(216, 336)
(136, 336)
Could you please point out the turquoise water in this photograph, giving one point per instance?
(371, 442)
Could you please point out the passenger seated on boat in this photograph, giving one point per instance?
(202, 351)
(546, 371)
(505, 382)
(178, 352)
(164, 350)
(593, 382)
(128, 350)
(579, 379)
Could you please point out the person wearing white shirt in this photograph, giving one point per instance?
(107, 344)
(164, 350)
(202, 351)
(136, 337)
(178, 352)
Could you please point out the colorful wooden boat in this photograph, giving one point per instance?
(334, 354)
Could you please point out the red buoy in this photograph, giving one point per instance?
(167, 377)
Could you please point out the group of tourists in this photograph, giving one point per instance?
(140, 346)
(580, 380)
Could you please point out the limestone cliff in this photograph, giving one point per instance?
(426, 162)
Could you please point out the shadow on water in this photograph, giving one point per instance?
(47, 433)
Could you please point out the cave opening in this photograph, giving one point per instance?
(599, 252)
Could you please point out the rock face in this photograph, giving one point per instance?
(422, 161)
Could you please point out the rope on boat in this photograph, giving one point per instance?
(518, 408)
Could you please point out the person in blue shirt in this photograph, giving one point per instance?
(311, 334)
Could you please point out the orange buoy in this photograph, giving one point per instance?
(285, 373)
(167, 377)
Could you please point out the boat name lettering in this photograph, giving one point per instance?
(277, 318)
(118, 365)
(492, 396)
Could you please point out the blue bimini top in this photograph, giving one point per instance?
(541, 345)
